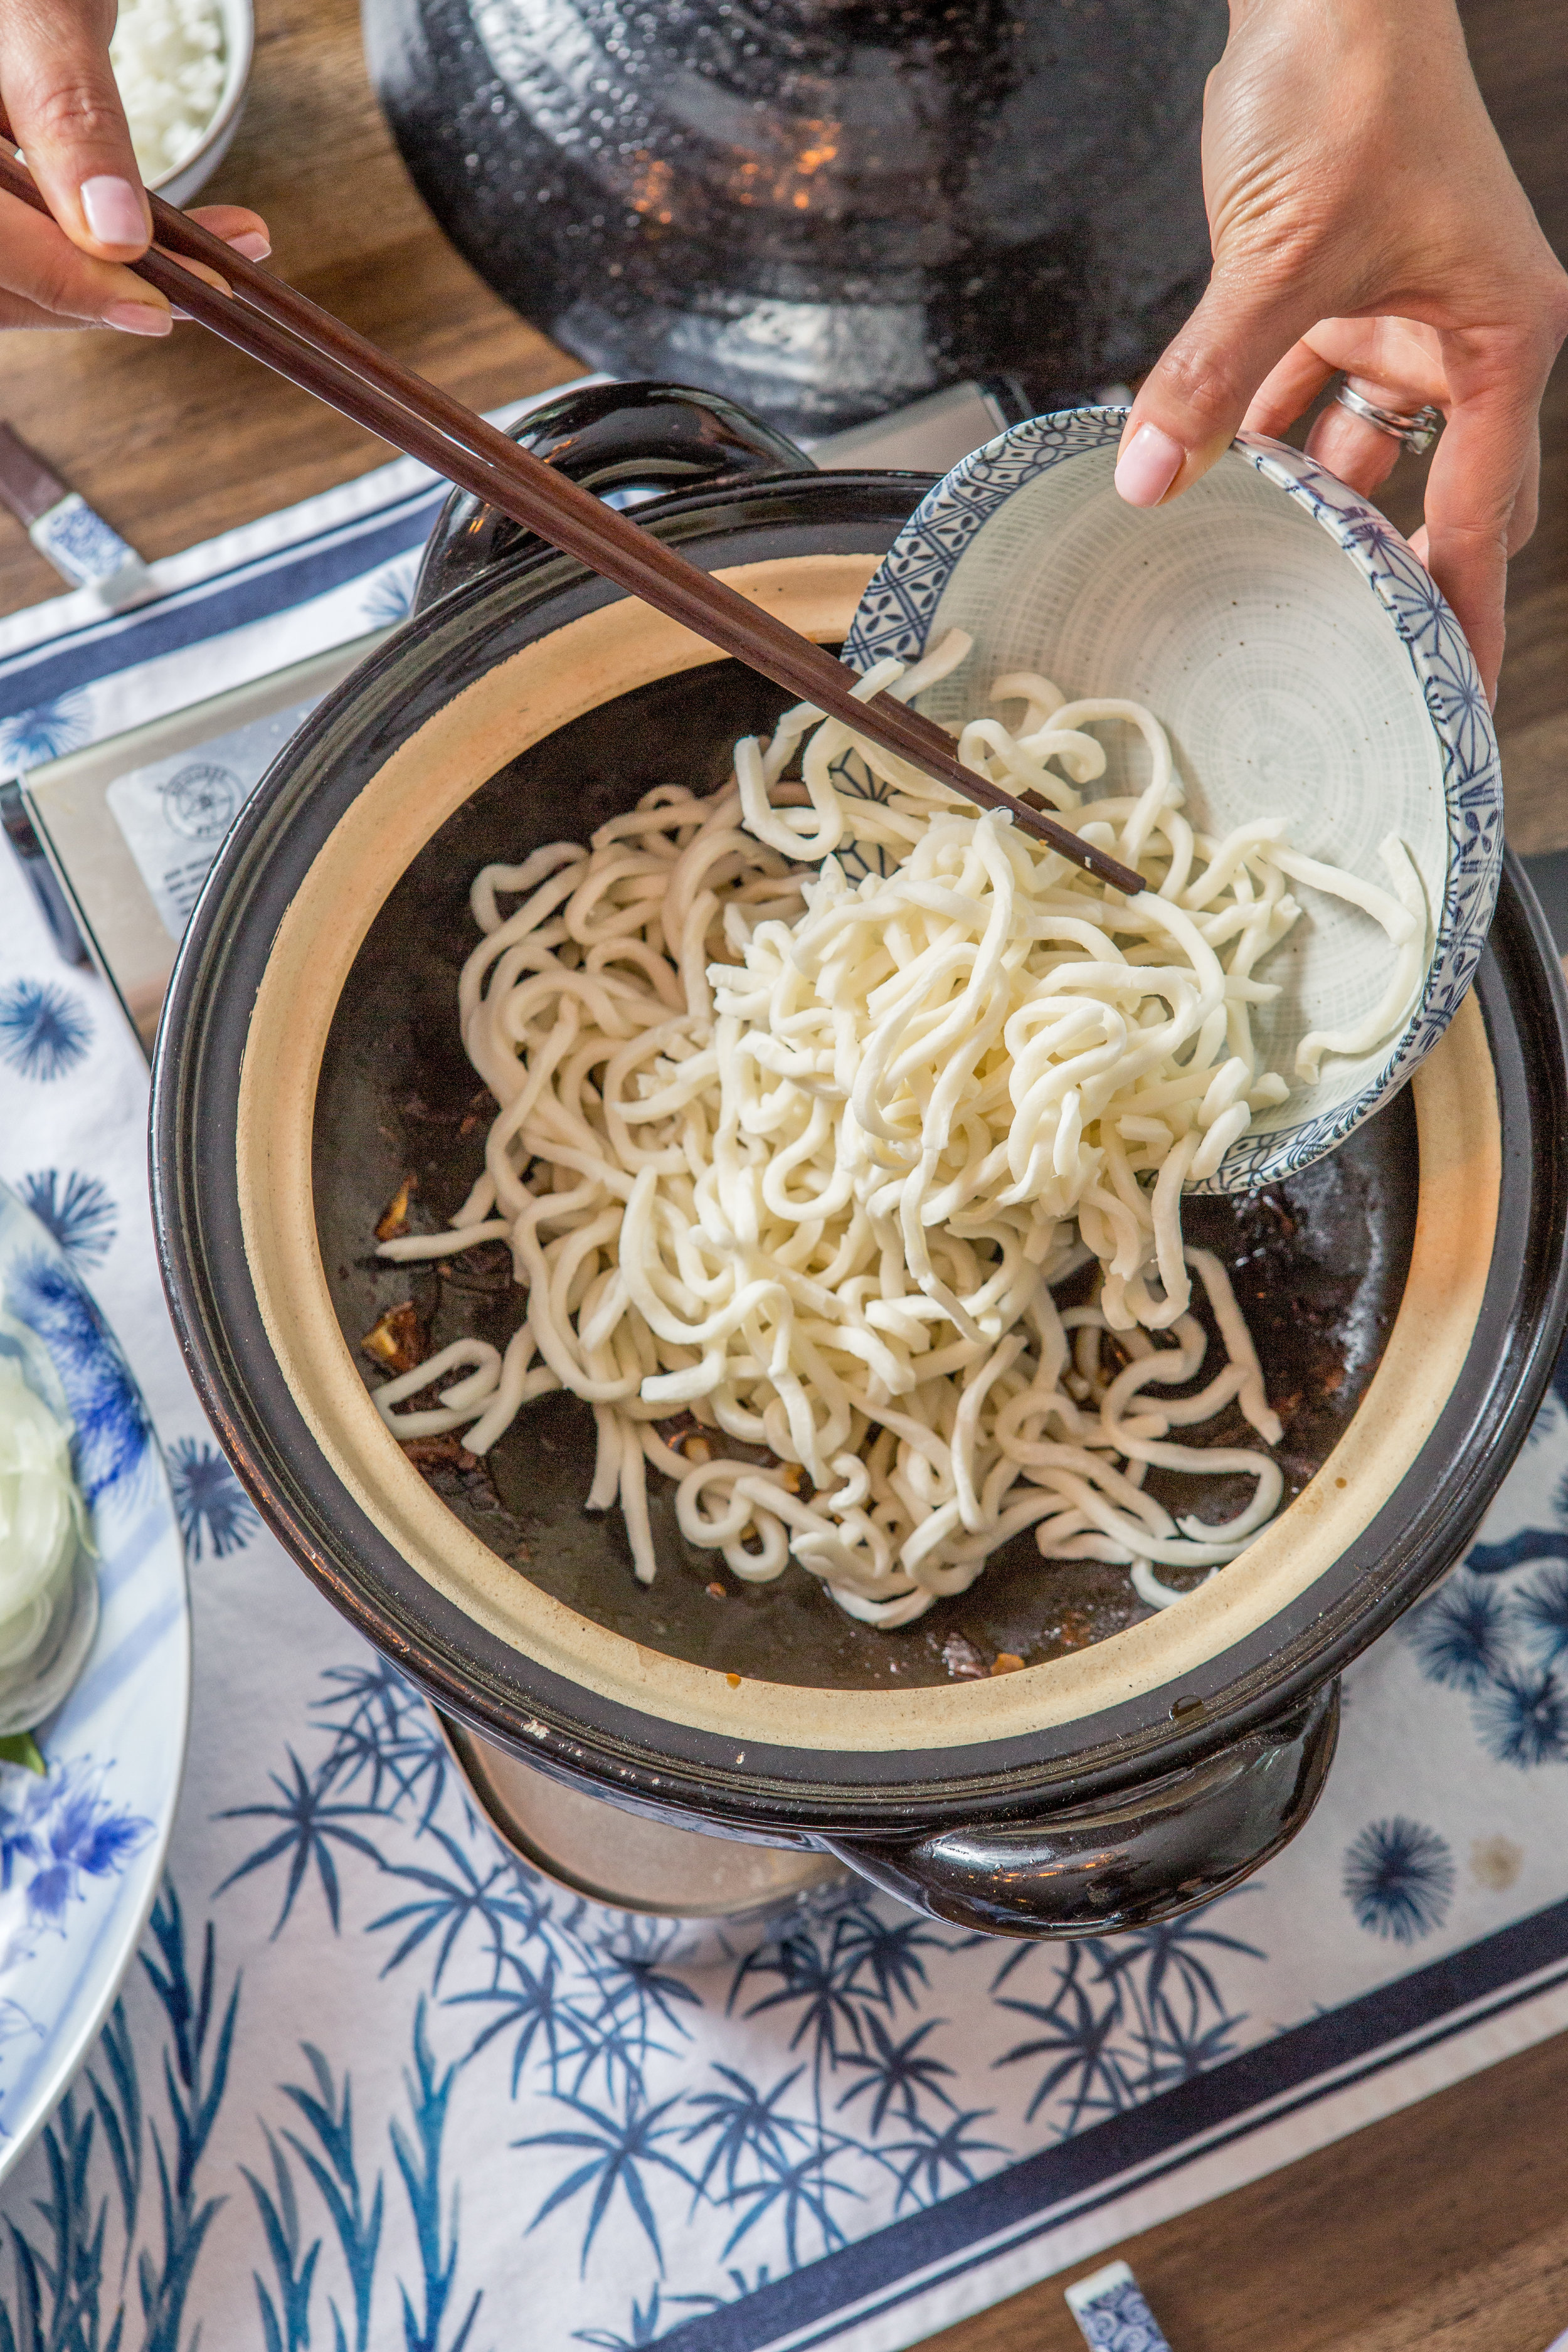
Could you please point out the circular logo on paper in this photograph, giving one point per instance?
(200, 801)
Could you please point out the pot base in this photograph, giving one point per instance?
(703, 1898)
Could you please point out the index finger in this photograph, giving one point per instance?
(1478, 476)
(66, 116)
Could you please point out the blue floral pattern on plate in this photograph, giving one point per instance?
(81, 1849)
(895, 616)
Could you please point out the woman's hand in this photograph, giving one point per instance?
(59, 95)
(1365, 217)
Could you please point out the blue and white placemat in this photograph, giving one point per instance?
(362, 2091)
(236, 608)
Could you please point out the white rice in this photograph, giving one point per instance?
(168, 59)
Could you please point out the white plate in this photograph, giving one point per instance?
(81, 1851)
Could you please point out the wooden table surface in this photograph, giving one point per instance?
(1446, 2226)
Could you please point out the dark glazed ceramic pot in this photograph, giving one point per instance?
(825, 208)
(628, 443)
(1405, 1295)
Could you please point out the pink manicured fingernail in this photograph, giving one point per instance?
(1148, 466)
(252, 245)
(137, 318)
(113, 211)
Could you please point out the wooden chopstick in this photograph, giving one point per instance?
(272, 322)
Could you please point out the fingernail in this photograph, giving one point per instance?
(137, 318)
(252, 245)
(1148, 466)
(112, 210)
(175, 313)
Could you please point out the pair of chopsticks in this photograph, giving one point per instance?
(269, 320)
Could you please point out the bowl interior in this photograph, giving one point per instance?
(1257, 642)
(1319, 1262)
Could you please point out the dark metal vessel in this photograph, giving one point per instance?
(1074, 1826)
(825, 208)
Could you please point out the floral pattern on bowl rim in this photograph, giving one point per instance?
(895, 614)
(81, 1851)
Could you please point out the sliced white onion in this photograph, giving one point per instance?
(48, 1593)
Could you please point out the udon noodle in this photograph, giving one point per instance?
(799, 1155)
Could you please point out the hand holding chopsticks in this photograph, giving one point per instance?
(269, 321)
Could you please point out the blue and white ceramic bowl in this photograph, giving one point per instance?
(1303, 664)
(81, 1849)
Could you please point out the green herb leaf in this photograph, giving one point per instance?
(21, 1748)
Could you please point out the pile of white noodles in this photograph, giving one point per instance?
(803, 1155)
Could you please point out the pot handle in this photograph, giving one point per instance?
(1122, 1861)
(628, 442)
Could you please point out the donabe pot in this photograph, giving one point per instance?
(822, 210)
(1407, 1297)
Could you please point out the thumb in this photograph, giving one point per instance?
(1190, 405)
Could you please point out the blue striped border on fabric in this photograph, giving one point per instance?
(1026, 2199)
(209, 608)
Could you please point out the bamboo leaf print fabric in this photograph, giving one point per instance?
(371, 2084)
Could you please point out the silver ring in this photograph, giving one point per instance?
(1417, 430)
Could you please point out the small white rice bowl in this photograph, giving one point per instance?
(169, 59)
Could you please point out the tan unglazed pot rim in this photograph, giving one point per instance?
(577, 668)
